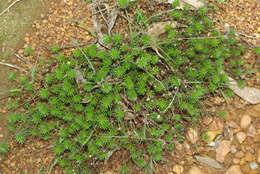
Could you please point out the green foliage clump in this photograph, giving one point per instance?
(27, 51)
(4, 148)
(128, 97)
(55, 49)
(123, 3)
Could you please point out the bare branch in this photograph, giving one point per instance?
(10, 6)
(14, 66)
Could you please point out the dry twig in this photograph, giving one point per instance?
(10, 6)
(14, 66)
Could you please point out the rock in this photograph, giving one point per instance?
(249, 157)
(235, 169)
(208, 161)
(251, 95)
(222, 150)
(241, 136)
(242, 161)
(214, 144)
(251, 131)
(245, 121)
(240, 154)
(177, 169)
(233, 149)
(258, 156)
(195, 170)
(253, 165)
(192, 135)
(236, 161)
(212, 134)
(108, 172)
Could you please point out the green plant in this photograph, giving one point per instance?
(222, 114)
(55, 49)
(27, 51)
(124, 170)
(205, 137)
(257, 50)
(4, 147)
(123, 3)
(128, 97)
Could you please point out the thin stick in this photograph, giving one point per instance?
(10, 6)
(170, 104)
(54, 162)
(14, 66)
(101, 10)
(138, 138)
(102, 15)
(89, 62)
(22, 59)
(78, 45)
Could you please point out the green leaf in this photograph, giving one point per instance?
(27, 51)
(20, 137)
(123, 3)
(44, 93)
(175, 3)
(4, 147)
(55, 49)
(12, 76)
(129, 84)
(106, 87)
(114, 53)
(131, 94)
(257, 50)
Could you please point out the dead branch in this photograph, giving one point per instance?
(14, 66)
(9, 7)
(112, 19)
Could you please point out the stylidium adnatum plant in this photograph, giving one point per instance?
(127, 97)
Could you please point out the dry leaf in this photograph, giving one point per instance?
(192, 135)
(222, 150)
(194, 3)
(208, 161)
(241, 136)
(251, 95)
(157, 29)
(112, 19)
(79, 77)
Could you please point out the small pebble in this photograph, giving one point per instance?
(241, 136)
(245, 121)
(253, 165)
(249, 157)
(178, 169)
(236, 161)
(239, 154)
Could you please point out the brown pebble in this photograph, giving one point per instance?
(249, 157)
(236, 161)
(239, 154)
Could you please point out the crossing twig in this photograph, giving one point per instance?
(10, 6)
